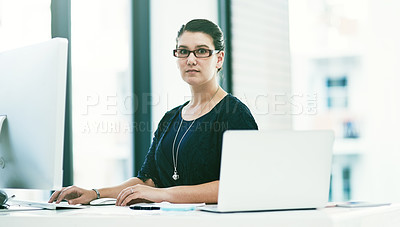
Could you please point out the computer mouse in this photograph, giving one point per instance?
(3, 197)
(103, 201)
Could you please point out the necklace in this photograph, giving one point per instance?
(175, 176)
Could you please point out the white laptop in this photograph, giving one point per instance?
(274, 170)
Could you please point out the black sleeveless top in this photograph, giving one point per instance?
(199, 155)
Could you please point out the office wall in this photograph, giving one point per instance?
(261, 60)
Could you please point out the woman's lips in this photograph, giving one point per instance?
(192, 71)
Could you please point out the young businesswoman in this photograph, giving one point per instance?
(183, 162)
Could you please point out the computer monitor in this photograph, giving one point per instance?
(32, 102)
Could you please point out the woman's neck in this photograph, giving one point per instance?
(203, 101)
(202, 94)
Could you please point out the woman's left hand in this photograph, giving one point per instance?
(140, 193)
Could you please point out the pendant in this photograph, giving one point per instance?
(175, 176)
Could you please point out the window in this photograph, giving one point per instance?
(347, 51)
(24, 22)
(101, 92)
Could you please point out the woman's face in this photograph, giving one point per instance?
(198, 71)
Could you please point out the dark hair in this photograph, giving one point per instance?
(207, 27)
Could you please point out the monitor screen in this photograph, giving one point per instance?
(32, 107)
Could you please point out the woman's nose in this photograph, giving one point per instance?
(191, 59)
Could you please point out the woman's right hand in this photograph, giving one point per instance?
(74, 195)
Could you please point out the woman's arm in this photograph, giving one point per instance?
(77, 195)
(202, 193)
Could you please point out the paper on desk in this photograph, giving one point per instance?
(358, 204)
(166, 206)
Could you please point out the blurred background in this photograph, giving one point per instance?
(297, 64)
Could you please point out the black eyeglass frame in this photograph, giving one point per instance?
(210, 52)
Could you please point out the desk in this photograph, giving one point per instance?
(123, 216)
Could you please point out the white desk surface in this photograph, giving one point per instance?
(123, 216)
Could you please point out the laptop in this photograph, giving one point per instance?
(274, 170)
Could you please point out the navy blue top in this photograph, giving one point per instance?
(199, 156)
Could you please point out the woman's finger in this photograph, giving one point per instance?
(128, 192)
(129, 198)
(120, 197)
(64, 192)
(123, 195)
(54, 196)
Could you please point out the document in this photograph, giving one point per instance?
(166, 206)
(356, 204)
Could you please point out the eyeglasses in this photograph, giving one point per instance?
(199, 53)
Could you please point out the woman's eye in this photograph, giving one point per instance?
(183, 51)
(201, 51)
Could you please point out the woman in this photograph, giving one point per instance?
(183, 162)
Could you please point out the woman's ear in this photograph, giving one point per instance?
(220, 59)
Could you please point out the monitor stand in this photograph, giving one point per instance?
(2, 119)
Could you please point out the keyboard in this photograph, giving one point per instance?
(43, 205)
